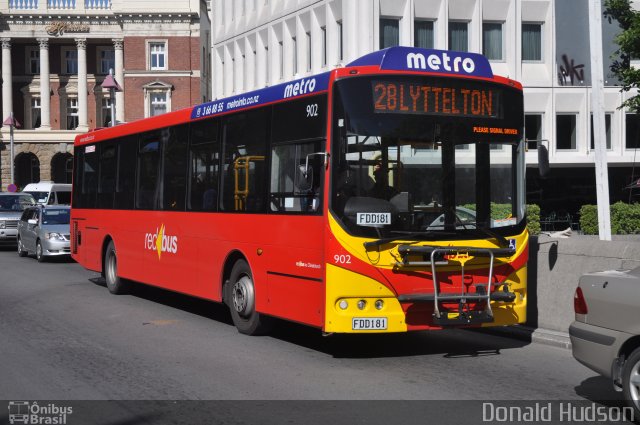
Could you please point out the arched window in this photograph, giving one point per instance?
(27, 169)
(62, 168)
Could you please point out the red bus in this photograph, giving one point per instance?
(383, 196)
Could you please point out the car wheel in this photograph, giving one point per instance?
(241, 299)
(39, 252)
(21, 251)
(631, 381)
(115, 284)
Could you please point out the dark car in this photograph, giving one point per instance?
(44, 231)
(605, 335)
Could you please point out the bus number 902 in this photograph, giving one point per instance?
(342, 259)
(312, 110)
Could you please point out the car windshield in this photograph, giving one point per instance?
(41, 197)
(15, 202)
(55, 216)
(399, 169)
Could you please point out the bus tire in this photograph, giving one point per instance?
(631, 381)
(241, 299)
(115, 284)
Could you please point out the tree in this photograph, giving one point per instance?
(628, 42)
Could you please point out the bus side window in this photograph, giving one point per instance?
(244, 178)
(291, 191)
(203, 166)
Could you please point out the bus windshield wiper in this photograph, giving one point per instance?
(502, 241)
(406, 236)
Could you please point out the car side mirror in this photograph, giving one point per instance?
(304, 178)
(32, 221)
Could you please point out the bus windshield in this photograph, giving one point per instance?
(427, 154)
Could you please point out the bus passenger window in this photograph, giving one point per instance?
(203, 168)
(174, 182)
(148, 170)
(291, 190)
(244, 175)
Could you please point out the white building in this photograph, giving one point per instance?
(542, 43)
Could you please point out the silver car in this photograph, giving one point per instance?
(11, 207)
(605, 335)
(44, 231)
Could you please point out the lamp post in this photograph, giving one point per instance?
(112, 85)
(12, 123)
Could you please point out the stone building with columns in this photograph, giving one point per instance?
(56, 55)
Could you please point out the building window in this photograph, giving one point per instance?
(70, 61)
(33, 60)
(531, 42)
(106, 112)
(323, 30)
(35, 112)
(389, 32)
(492, 41)
(533, 129)
(158, 103)
(107, 60)
(295, 54)
(459, 36)
(340, 41)
(72, 113)
(607, 127)
(281, 53)
(566, 131)
(632, 122)
(308, 51)
(423, 34)
(158, 55)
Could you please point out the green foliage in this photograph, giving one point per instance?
(589, 219)
(625, 219)
(500, 211)
(628, 42)
(533, 218)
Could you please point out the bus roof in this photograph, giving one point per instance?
(400, 58)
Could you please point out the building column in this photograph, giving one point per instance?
(7, 79)
(83, 122)
(45, 86)
(118, 45)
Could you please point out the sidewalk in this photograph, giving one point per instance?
(526, 333)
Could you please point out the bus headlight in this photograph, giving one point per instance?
(1, 224)
(362, 304)
(343, 304)
(379, 304)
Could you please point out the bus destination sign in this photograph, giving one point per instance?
(404, 97)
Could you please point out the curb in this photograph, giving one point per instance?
(539, 336)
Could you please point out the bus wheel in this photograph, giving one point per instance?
(241, 299)
(115, 284)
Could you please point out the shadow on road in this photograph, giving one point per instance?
(600, 390)
(451, 344)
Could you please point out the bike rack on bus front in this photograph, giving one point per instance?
(439, 256)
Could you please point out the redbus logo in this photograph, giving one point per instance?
(435, 62)
(160, 242)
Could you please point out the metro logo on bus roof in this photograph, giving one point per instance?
(430, 60)
(290, 90)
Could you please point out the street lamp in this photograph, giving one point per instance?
(113, 86)
(12, 123)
